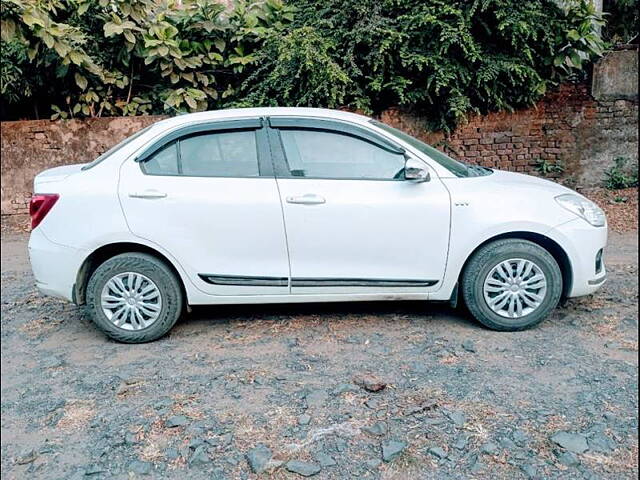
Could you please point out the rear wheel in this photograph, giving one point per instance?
(134, 298)
(511, 284)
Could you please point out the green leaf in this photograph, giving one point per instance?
(129, 36)
(31, 20)
(62, 49)
(48, 40)
(83, 7)
(7, 29)
(111, 29)
(81, 81)
(191, 102)
(76, 57)
(575, 59)
(573, 35)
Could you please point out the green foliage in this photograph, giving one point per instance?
(13, 83)
(129, 57)
(297, 69)
(446, 58)
(583, 41)
(621, 175)
(623, 20)
(545, 168)
(443, 59)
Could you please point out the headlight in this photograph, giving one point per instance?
(583, 208)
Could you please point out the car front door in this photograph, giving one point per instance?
(353, 223)
(208, 196)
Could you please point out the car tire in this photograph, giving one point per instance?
(492, 277)
(129, 275)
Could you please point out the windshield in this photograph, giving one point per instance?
(459, 169)
(115, 148)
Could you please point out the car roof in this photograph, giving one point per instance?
(232, 113)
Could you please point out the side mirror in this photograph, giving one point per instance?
(416, 171)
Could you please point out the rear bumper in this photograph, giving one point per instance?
(582, 242)
(54, 266)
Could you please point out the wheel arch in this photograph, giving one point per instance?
(550, 245)
(105, 252)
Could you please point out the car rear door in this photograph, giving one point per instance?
(353, 223)
(206, 193)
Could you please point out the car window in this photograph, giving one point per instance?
(227, 154)
(459, 169)
(224, 154)
(163, 162)
(323, 154)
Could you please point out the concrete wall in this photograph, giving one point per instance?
(615, 76)
(28, 147)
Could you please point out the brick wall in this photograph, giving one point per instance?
(567, 126)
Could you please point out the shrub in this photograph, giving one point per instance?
(545, 167)
(127, 57)
(297, 69)
(623, 20)
(447, 58)
(620, 175)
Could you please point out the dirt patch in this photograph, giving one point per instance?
(76, 415)
(620, 206)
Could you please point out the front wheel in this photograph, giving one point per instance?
(134, 298)
(511, 284)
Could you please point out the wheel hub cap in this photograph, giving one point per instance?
(131, 301)
(515, 288)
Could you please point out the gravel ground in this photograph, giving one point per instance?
(372, 390)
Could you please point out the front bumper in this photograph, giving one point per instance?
(582, 242)
(54, 266)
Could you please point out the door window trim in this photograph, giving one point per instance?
(265, 164)
(280, 164)
(336, 126)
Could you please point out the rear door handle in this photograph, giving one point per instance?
(148, 194)
(307, 199)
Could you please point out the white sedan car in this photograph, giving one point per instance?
(280, 205)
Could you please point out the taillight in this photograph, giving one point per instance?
(40, 205)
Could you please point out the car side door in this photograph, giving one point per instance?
(206, 194)
(353, 223)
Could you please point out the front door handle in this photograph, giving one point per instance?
(148, 194)
(307, 199)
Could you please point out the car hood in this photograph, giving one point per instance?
(506, 198)
(525, 183)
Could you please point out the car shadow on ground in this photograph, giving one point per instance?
(429, 311)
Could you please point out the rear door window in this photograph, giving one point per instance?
(228, 154)
(219, 154)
